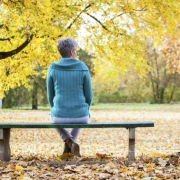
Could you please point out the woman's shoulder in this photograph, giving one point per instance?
(51, 66)
(83, 66)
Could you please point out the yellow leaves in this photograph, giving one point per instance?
(140, 174)
(65, 157)
(33, 148)
(149, 169)
(45, 7)
(45, 3)
(19, 168)
(102, 156)
(123, 169)
(1, 92)
(127, 171)
(115, 34)
(13, 74)
(143, 150)
(22, 177)
(10, 167)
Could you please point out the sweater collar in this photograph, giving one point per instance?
(69, 64)
(67, 61)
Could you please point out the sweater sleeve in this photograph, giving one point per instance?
(87, 88)
(50, 86)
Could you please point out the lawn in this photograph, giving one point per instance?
(157, 148)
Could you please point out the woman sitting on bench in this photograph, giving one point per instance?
(69, 93)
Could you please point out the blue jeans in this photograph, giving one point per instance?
(74, 131)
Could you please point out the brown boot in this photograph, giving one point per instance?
(75, 149)
(66, 149)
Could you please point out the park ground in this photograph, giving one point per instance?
(36, 153)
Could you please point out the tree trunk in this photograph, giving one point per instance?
(161, 98)
(172, 94)
(34, 96)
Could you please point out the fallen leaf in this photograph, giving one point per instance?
(19, 168)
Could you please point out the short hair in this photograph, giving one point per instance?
(65, 45)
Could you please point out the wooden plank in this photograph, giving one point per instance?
(89, 125)
(1, 149)
(1, 145)
(131, 151)
(5, 152)
(1, 133)
(132, 133)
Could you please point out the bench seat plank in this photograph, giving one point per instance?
(5, 133)
(89, 125)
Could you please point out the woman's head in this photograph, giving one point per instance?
(67, 47)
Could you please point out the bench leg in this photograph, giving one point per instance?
(5, 152)
(131, 153)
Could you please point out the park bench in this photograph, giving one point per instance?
(5, 154)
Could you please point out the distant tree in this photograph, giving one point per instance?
(16, 97)
(38, 92)
(21, 96)
(163, 84)
(171, 51)
(87, 59)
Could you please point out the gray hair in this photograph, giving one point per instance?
(65, 45)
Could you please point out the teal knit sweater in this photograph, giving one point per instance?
(69, 88)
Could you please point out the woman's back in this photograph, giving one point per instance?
(72, 88)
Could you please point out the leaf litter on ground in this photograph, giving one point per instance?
(36, 153)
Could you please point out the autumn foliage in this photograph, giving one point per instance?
(171, 51)
(113, 31)
(36, 153)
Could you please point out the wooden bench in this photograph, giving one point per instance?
(5, 153)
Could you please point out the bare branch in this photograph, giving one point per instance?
(143, 9)
(84, 10)
(88, 6)
(117, 16)
(103, 26)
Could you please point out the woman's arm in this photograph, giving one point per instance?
(50, 86)
(87, 88)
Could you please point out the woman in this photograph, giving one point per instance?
(69, 93)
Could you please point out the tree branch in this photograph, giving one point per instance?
(117, 16)
(69, 26)
(4, 55)
(143, 9)
(103, 26)
(4, 39)
(88, 6)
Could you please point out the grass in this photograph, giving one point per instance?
(133, 106)
(115, 106)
